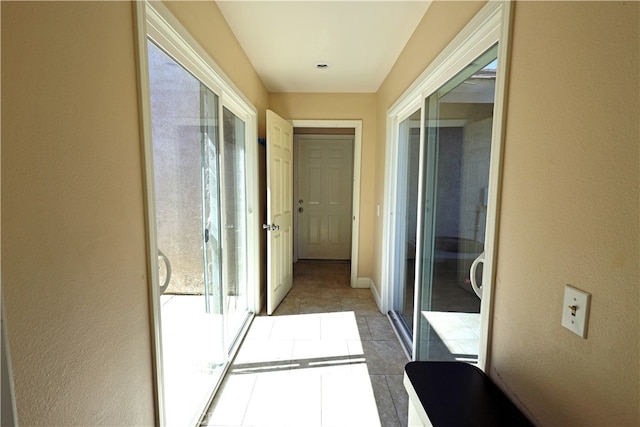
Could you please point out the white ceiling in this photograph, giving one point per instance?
(360, 40)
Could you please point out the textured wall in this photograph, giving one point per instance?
(74, 265)
(177, 162)
(570, 213)
(341, 106)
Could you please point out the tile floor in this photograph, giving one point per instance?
(450, 336)
(327, 357)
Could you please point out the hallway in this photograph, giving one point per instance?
(327, 357)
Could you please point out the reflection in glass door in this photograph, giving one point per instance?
(204, 300)
(456, 161)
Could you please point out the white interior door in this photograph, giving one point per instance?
(324, 177)
(279, 209)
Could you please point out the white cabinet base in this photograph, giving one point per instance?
(417, 415)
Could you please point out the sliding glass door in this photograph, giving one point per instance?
(456, 159)
(442, 186)
(440, 191)
(201, 228)
(406, 223)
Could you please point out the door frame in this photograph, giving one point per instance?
(492, 24)
(355, 203)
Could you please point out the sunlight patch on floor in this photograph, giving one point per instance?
(460, 332)
(294, 370)
(192, 364)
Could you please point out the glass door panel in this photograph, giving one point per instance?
(456, 161)
(235, 225)
(212, 202)
(406, 225)
(187, 209)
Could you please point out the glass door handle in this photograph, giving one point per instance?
(472, 271)
(167, 266)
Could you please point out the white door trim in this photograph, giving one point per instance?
(490, 25)
(357, 157)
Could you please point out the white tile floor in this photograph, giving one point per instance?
(460, 332)
(298, 370)
(327, 357)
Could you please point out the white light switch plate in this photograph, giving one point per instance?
(575, 310)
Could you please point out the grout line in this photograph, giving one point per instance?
(246, 407)
(321, 402)
(393, 401)
(366, 321)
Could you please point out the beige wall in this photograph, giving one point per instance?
(73, 269)
(570, 211)
(74, 266)
(343, 106)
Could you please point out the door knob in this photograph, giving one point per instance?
(300, 210)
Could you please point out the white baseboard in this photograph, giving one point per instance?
(376, 296)
(363, 283)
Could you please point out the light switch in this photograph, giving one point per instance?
(575, 310)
